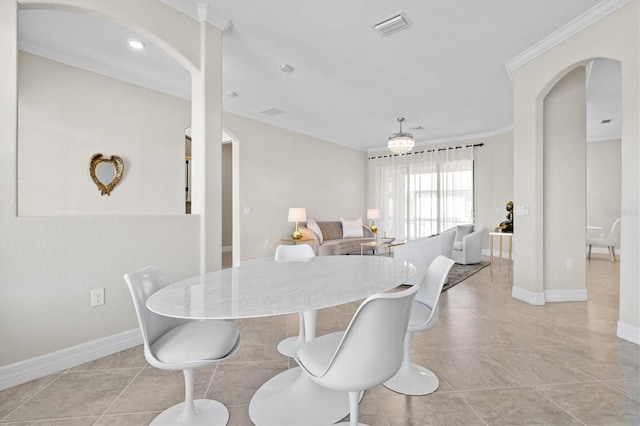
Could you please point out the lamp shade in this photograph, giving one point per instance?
(373, 213)
(297, 214)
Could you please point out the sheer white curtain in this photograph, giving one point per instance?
(421, 194)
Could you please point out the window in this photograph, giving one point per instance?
(422, 194)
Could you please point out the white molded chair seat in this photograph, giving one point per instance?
(177, 344)
(367, 353)
(294, 253)
(610, 241)
(413, 379)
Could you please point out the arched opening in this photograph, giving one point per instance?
(231, 187)
(573, 200)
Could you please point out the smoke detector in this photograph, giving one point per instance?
(285, 68)
(272, 112)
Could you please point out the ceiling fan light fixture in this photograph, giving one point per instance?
(401, 142)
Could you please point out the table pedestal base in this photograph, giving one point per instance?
(292, 398)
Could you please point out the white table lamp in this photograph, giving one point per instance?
(373, 214)
(297, 214)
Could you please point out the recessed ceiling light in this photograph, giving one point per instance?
(136, 44)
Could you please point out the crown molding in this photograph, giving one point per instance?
(588, 18)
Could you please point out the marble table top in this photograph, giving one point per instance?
(266, 288)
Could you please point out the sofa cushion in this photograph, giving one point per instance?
(457, 245)
(352, 228)
(330, 230)
(462, 230)
(312, 225)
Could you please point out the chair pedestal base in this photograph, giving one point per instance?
(290, 346)
(207, 412)
(292, 398)
(413, 380)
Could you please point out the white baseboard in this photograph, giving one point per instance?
(527, 296)
(577, 295)
(40, 366)
(603, 250)
(628, 332)
(503, 255)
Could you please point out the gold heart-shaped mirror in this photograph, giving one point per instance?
(106, 172)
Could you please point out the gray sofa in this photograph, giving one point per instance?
(332, 242)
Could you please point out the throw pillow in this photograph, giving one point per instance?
(311, 224)
(463, 230)
(352, 228)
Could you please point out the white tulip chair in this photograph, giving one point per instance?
(413, 379)
(178, 344)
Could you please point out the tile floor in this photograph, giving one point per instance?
(500, 362)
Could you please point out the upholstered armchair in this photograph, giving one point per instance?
(467, 244)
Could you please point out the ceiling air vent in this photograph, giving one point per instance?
(272, 112)
(392, 24)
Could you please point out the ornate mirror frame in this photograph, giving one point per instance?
(118, 168)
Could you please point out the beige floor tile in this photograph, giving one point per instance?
(71, 421)
(631, 388)
(619, 360)
(12, 398)
(234, 384)
(534, 367)
(445, 408)
(517, 406)
(127, 419)
(465, 370)
(239, 416)
(257, 347)
(594, 403)
(130, 358)
(75, 394)
(155, 390)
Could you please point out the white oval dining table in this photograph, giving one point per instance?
(266, 288)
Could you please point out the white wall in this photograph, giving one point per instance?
(494, 182)
(49, 264)
(280, 169)
(565, 183)
(603, 183)
(65, 115)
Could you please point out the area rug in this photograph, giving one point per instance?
(459, 273)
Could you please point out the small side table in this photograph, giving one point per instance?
(500, 234)
(376, 244)
(289, 240)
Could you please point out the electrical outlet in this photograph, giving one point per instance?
(97, 297)
(569, 263)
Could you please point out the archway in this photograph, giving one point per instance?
(532, 81)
